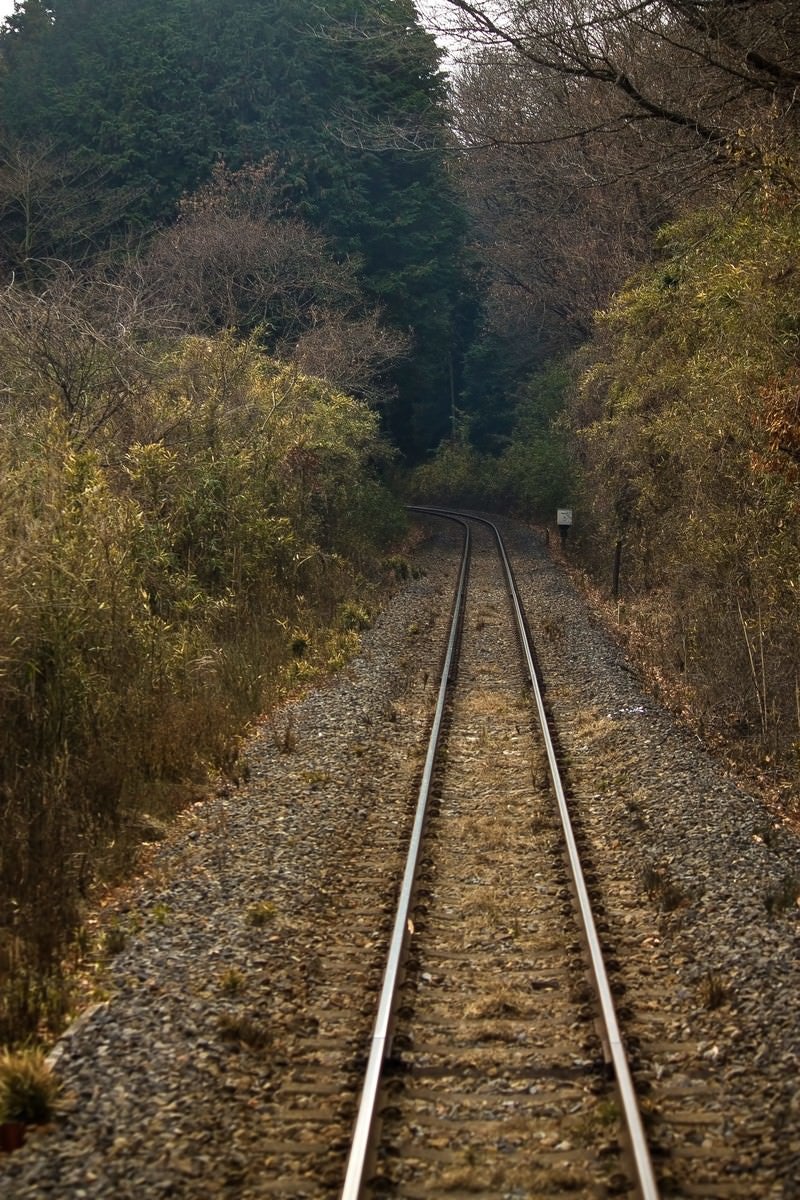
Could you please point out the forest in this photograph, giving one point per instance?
(269, 268)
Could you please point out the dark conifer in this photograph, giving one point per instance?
(145, 96)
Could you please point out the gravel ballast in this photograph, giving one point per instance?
(222, 1063)
(681, 848)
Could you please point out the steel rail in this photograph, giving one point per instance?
(380, 1045)
(645, 1176)
(362, 1141)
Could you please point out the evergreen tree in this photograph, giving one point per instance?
(146, 95)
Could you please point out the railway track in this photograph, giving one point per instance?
(488, 1064)
(228, 1058)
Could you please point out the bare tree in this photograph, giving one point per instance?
(723, 74)
(51, 208)
(353, 354)
(236, 259)
(82, 342)
(560, 220)
(584, 127)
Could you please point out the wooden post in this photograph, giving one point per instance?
(616, 569)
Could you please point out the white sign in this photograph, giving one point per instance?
(564, 516)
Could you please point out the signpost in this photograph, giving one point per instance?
(563, 521)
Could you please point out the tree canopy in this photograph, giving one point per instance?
(143, 97)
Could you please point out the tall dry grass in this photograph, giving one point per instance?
(152, 580)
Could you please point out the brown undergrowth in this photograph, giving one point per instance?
(632, 625)
(162, 583)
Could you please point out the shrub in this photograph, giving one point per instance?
(28, 1089)
(147, 586)
(536, 472)
(457, 474)
(533, 474)
(689, 413)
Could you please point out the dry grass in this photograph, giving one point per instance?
(497, 1002)
(482, 905)
(28, 1089)
(261, 914)
(660, 888)
(532, 1179)
(487, 702)
(244, 1030)
(152, 602)
(593, 725)
(707, 680)
(784, 897)
(487, 830)
(714, 991)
